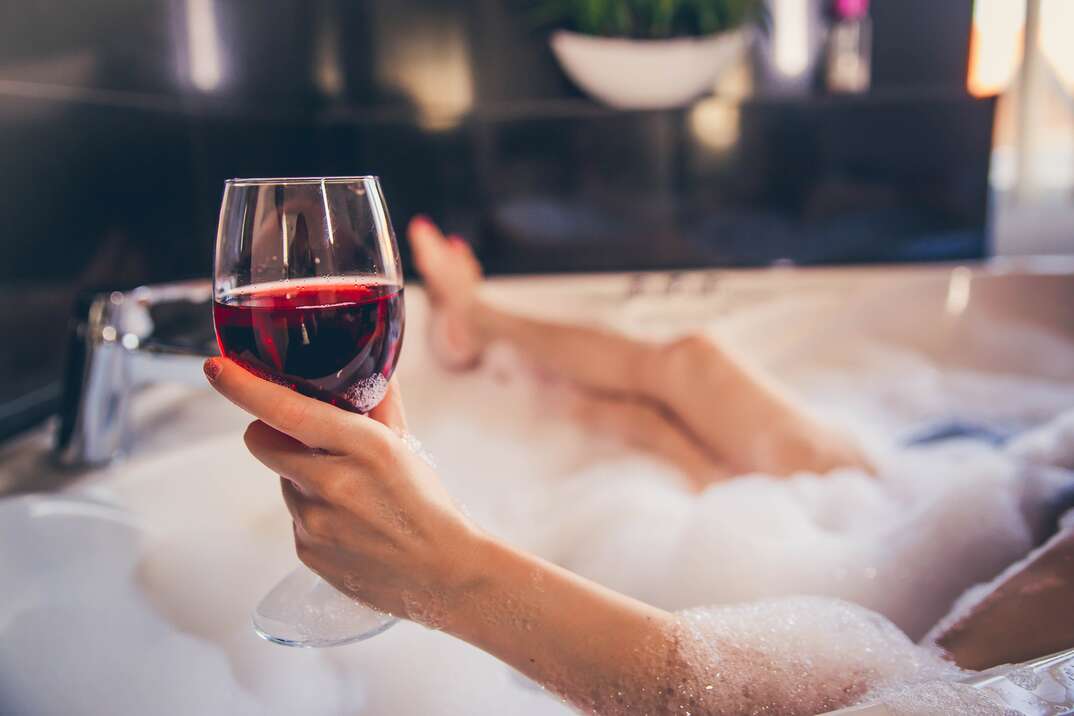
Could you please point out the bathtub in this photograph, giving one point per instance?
(127, 589)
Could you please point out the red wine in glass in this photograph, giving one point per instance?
(308, 293)
(336, 340)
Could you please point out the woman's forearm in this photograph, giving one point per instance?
(596, 648)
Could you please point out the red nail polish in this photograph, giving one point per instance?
(212, 369)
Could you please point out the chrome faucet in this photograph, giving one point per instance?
(119, 342)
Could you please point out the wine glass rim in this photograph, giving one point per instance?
(283, 181)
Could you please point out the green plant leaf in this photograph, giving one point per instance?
(645, 18)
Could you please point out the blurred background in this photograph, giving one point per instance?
(953, 139)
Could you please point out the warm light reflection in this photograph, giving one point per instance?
(328, 223)
(204, 45)
(736, 82)
(1056, 31)
(790, 36)
(431, 65)
(996, 42)
(327, 69)
(715, 123)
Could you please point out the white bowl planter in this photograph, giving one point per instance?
(646, 74)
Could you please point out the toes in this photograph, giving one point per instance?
(446, 263)
(425, 239)
(422, 226)
(461, 248)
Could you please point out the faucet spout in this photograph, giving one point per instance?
(119, 342)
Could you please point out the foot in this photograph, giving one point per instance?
(452, 276)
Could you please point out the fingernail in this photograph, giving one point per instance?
(420, 221)
(212, 368)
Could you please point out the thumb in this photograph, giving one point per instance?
(389, 411)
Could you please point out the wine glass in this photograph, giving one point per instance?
(308, 293)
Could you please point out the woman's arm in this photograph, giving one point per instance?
(600, 650)
(372, 518)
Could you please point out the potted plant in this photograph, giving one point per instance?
(646, 54)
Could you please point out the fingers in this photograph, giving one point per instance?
(284, 455)
(291, 495)
(390, 411)
(309, 421)
(316, 472)
(314, 518)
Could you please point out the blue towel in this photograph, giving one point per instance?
(958, 429)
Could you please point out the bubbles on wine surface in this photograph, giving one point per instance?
(366, 393)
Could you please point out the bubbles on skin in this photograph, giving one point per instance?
(390, 513)
(537, 581)
(355, 587)
(800, 655)
(415, 447)
(394, 516)
(367, 393)
(791, 656)
(426, 607)
(517, 612)
(353, 584)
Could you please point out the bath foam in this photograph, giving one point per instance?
(1050, 446)
(791, 656)
(935, 521)
(906, 543)
(941, 697)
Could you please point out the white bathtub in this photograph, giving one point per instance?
(128, 590)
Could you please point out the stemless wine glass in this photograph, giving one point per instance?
(308, 293)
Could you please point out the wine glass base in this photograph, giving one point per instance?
(305, 611)
(321, 643)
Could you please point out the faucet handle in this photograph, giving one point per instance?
(116, 342)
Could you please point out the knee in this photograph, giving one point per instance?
(689, 354)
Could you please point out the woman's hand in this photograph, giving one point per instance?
(370, 516)
(373, 519)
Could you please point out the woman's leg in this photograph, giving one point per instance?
(736, 414)
(744, 415)
(649, 427)
(465, 324)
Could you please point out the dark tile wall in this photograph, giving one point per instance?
(112, 160)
